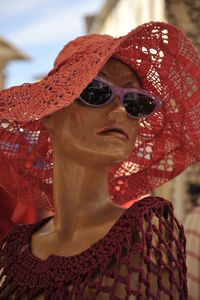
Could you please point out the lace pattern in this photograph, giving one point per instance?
(141, 257)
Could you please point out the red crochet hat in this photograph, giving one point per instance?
(167, 142)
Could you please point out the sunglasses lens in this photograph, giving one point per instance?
(139, 105)
(96, 93)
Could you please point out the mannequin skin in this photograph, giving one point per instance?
(84, 211)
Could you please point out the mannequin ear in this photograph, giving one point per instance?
(48, 122)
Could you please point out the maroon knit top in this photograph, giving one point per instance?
(141, 257)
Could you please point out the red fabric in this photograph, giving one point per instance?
(8, 206)
(116, 267)
(168, 141)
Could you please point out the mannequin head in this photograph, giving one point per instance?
(74, 129)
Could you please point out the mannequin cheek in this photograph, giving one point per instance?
(79, 139)
(128, 152)
(134, 135)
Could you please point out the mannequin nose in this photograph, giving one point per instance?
(117, 111)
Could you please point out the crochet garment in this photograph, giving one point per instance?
(141, 257)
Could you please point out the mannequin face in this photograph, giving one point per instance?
(74, 129)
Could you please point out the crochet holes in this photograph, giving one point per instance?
(127, 169)
(156, 56)
(2, 278)
(2, 258)
(109, 286)
(104, 282)
(145, 152)
(166, 164)
(102, 296)
(144, 49)
(135, 265)
(194, 116)
(120, 288)
(172, 107)
(175, 78)
(186, 50)
(136, 238)
(154, 78)
(157, 33)
(161, 239)
(153, 51)
(3, 245)
(190, 85)
(138, 62)
(4, 124)
(165, 36)
(89, 293)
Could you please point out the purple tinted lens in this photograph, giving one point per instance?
(96, 93)
(138, 105)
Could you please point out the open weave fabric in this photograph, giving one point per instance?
(141, 257)
(168, 141)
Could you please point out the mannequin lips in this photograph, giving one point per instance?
(114, 131)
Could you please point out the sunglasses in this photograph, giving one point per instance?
(138, 103)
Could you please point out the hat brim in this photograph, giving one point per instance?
(168, 141)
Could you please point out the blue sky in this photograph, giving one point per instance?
(40, 28)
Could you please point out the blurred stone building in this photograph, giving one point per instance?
(117, 17)
(8, 53)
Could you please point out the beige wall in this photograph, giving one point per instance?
(8, 53)
(2, 74)
(128, 14)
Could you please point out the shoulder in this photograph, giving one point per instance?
(14, 241)
(161, 232)
(151, 207)
(156, 249)
(10, 247)
(17, 239)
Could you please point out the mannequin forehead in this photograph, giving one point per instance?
(120, 73)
